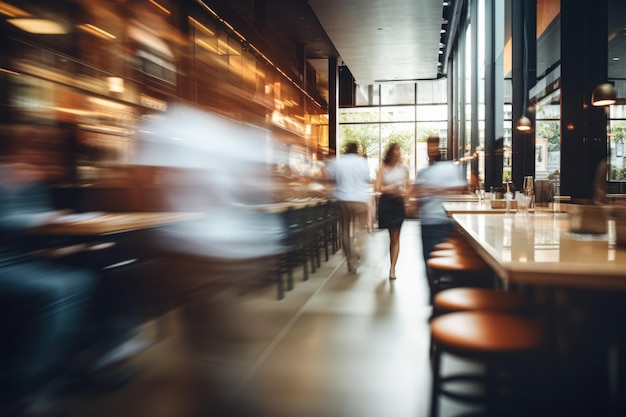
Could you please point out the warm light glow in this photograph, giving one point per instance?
(524, 124)
(603, 95)
(257, 52)
(107, 103)
(206, 46)
(76, 112)
(116, 84)
(201, 26)
(603, 103)
(6, 71)
(224, 48)
(12, 11)
(161, 8)
(38, 26)
(94, 30)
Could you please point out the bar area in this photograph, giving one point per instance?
(311, 208)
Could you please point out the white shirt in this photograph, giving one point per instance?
(352, 176)
(443, 174)
(397, 175)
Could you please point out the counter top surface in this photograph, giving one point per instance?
(539, 249)
(101, 223)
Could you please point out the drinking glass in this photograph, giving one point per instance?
(523, 203)
(480, 192)
(529, 188)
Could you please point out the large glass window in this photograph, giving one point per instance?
(617, 137)
(397, 114)
(367, 95)
(468, 91)
(548, 136)
(430, 92)
(391, 94)
(375, 127)
(617, 73)
(403, 134)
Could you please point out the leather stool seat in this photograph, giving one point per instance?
(486, 332)
(458, 271)
(443, 253)
(451, 253)
(457, 264)
(503, 342)
(445, 246)
(482, 299)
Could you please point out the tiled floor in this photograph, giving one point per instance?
(337, 345)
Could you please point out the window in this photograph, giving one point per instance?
(616, 139)
(375, 127)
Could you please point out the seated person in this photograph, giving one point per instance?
(42, 303)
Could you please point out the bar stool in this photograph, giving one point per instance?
(453, 243)
(502, 342)
(455, 271)
(447, 253)
(477, 299)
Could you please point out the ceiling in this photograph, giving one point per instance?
(384, 40)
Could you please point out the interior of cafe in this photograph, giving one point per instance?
(172, 241)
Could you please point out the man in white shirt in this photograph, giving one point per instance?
(351, 175)
(433, 183)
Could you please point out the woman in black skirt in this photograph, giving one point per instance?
(392, 181)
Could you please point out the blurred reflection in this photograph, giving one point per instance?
(219, 167)
(42, 303)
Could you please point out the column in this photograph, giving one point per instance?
(584, 50)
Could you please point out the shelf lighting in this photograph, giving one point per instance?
(37, 26)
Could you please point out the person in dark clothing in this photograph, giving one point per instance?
(42, 303)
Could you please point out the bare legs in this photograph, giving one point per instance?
(394, 250)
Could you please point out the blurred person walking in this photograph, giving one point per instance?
(392, 181)
(439, 178)
(351, 175)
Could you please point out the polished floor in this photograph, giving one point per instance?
(337, 345)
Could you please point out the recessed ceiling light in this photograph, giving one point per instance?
(38, 26)
(446, 3)
(443, 31)
(616, 58)
(440, 52)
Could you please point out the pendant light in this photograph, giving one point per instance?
(603, 95)
(524, 124)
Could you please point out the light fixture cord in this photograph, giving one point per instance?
(525, 61)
